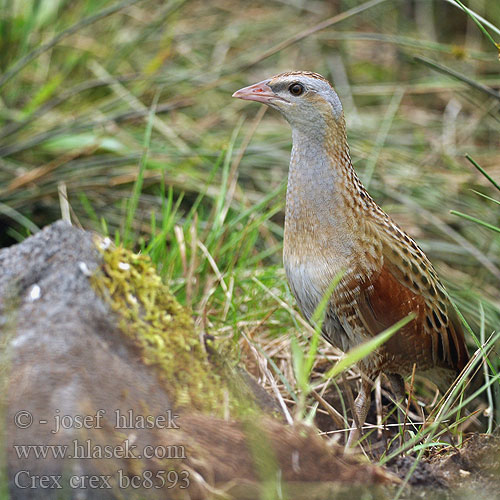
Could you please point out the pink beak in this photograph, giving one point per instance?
(260, 92)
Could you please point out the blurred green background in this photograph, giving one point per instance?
(125, 109)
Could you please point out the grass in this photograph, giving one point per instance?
(128, 105)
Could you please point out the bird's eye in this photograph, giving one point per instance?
(296, 89)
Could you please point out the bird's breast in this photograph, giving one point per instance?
(312, 262)
(309, 280)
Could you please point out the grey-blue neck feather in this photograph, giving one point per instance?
(312, 180)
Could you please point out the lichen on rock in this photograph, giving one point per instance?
(160, 328)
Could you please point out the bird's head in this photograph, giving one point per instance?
(306, 100)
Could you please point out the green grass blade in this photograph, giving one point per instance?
(486, 197)
(483, 171)
(24, 61)
(382, 135)
(310, 31)
(366, 348)
(136, 191)
(19, 218)
(477, 221)
(459, 76)
(317, 320)
(474, 17)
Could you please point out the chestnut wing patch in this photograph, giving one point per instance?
(382, 302)
(430, 340)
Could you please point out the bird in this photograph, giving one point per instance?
(332, 228)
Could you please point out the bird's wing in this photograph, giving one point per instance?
(407, 283)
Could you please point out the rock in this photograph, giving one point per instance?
(109, 392)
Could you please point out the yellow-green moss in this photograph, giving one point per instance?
(161, 328)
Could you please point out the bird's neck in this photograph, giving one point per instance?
(323, 191)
